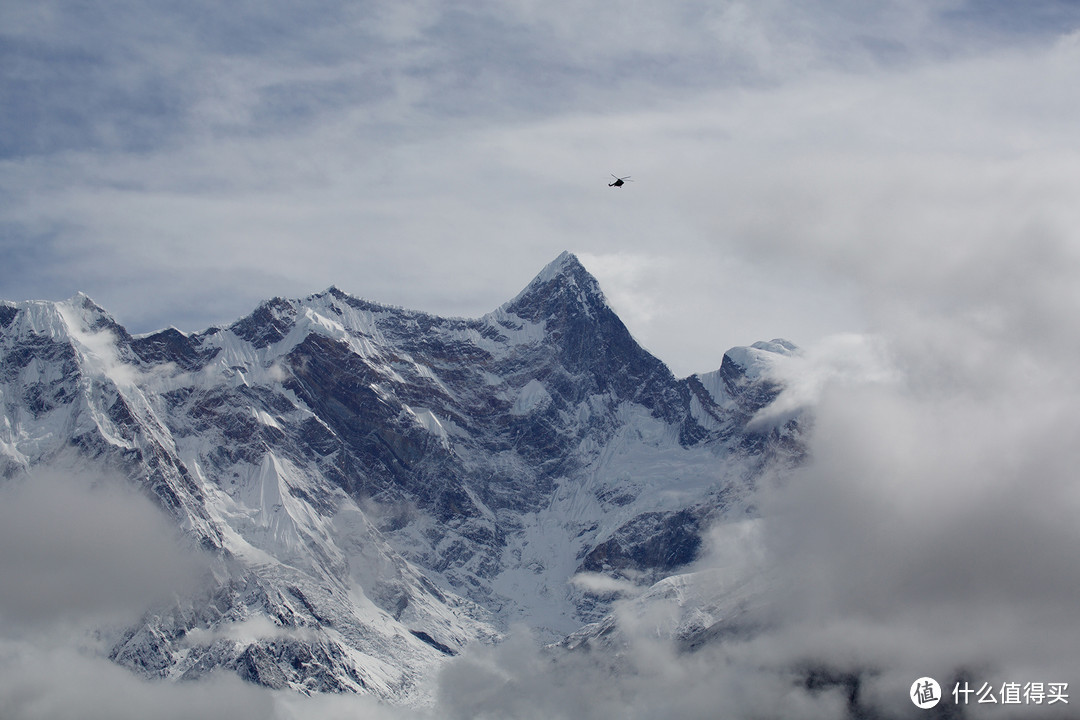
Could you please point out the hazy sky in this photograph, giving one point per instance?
(791, 160)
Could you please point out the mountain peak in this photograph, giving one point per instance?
(564, 281)
(566, 263)
(87, 316)
(82, 303)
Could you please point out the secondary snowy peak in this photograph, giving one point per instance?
(758, 360)
(269, 323)
(60, 321)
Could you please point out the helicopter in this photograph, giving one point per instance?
(619, 181)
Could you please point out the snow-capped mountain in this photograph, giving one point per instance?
(378, 488)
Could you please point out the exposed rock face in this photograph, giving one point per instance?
(380, 487)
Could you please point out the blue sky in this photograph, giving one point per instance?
(798, 167)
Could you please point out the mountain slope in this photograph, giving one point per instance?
(377, 487)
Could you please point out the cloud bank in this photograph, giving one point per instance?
(78, 549)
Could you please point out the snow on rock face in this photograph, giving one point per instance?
(534, 396)
(381, 487)
(757, 360)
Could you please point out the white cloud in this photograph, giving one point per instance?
(846, 360)
(79, 549)
(600, 584)
(62, 683)
(257, 627)
(83, 556)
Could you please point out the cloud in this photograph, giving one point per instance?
(600, 584)
(62, 683)
(83, 555)
(78, 550)
(257, 627)
(647, 679)
(292, 706)
(846, 360)
(929, 535)
(931, 531)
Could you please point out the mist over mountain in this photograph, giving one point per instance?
(335, 508)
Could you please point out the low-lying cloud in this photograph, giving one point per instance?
(80, 548)
(930, 534)
(83, 555)
(64, 683)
